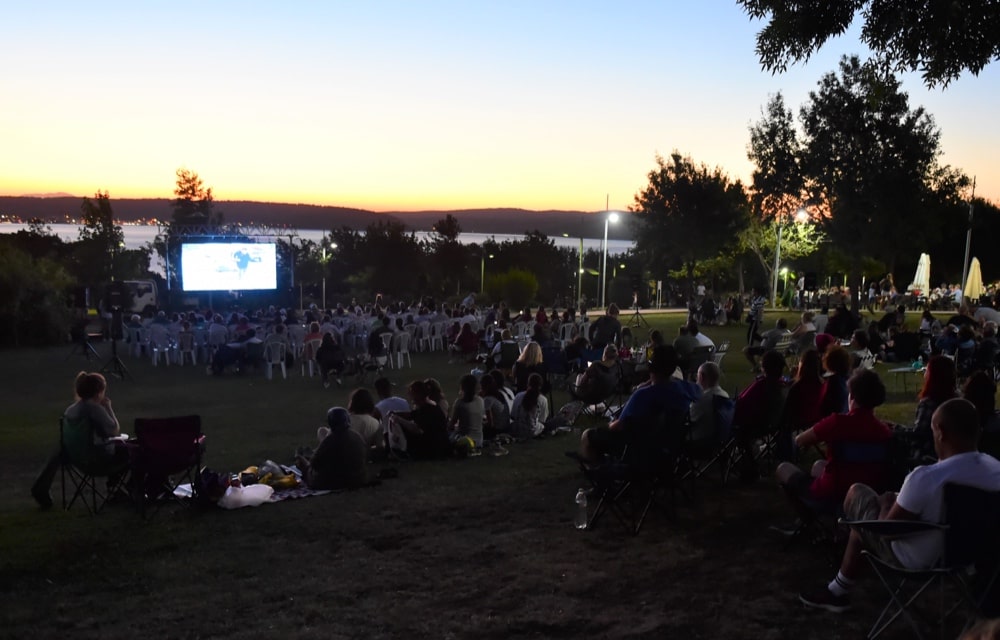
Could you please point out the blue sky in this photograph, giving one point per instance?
(406, 105)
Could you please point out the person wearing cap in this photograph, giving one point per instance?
(340, 461)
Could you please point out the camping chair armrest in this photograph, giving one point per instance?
(894, 529)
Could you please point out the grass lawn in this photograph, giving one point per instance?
(478, 548)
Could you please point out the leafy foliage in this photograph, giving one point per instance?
(34, 310)
(939, 39)
(687, 213)
(517, 287)
(194, 203)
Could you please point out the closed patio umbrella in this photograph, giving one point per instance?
(974, 285)
(922, 278)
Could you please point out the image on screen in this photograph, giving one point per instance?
(228, 266)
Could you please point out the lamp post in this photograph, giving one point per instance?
(332, 246)
(800, 216)
(612, 217)
(482, 272)
(579, 275)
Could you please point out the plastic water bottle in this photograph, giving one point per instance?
(580, 521)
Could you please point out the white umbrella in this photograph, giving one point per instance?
(922, 278)
(974, 285)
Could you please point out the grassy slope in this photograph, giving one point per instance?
(482, 547)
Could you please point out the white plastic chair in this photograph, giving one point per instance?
(402, 344)
(565, 333)
(308, 357)
(274, 356)
(186, 347)
(159, 344)
(387, 339)
(138, 340)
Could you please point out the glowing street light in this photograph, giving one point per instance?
(800, 216)
(611, 218)
(482, 272)
(333, 245)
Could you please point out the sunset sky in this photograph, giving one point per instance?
(405, 105)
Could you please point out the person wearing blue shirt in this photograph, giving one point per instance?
(661, 395)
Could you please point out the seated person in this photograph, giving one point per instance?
(600, 379)
(364, 421)
(833, 399)
(860, 354)
(466, 343)
(684, 344)
(505, 347)
(768, 341)
(340, 460)
(330, 358)
(824, 488)
(701, 338)
(705, 425)
(422, 432)
(804, 333)
(496, 414)
(758, 409)
(92, 413)
(663, 394)
(956, 431)
(467, 416)
(529, 362)
(530, 411)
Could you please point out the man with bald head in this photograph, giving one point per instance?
(955, 426)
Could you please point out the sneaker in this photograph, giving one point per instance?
(824, 599)
(326, 385)
(786, 530)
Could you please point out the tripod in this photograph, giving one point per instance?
(114, 365)
(637, 320)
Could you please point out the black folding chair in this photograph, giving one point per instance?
(168, 454)
(82, 464)
(969, 563)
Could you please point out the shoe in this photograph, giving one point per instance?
(824, 599)
(786, 530)
(326, 385)
(340, 382)
(42, 497)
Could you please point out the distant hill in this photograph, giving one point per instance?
(57, 208)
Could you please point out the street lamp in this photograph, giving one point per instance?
(800, 216)
(579, 277)
(333, 245)
(610, 218)
(482, 273)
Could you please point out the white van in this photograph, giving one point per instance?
(144, 296)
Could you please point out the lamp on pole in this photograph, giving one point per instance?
(579, 274)
(612, 217)
(800, 216)
(333, 245)
(482, 272)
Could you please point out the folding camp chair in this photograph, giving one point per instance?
(818, 523)
(168, 454)
(696, 457)
(641, 477)
(969, 562)
(82, 464)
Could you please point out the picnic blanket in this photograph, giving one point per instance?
(231, 501)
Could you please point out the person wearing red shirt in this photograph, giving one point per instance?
(856, 446)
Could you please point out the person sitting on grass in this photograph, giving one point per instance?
(90, 413)
(955, 427)
(496, 416)
(466, 343)
(341, 459)
(468, 413)
(663, 394)
(421, 433)
(529, 362)
(330, 359)
(530, 410)
(361, 406)
(387, 405)
(824, 488)
(837, 363)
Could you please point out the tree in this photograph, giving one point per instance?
(449, 258)
(100, 241)
(775, 149)
(687, 213)
(194, 203)
(798, 240)
(938, 39)
(871, 163)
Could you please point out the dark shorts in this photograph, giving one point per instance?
(607, 441)
(799, 486)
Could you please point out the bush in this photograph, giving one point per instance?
(34, 310)
(517, 287)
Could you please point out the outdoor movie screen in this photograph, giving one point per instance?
(228, 266)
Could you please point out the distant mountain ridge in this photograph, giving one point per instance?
(501, 221)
